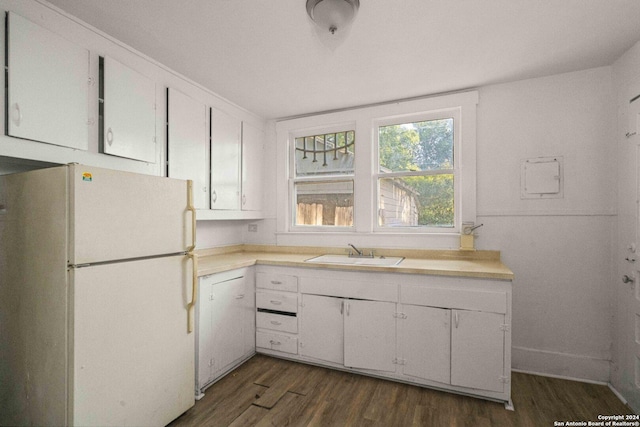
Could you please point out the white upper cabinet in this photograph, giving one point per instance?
(252, 159)
(48, 86)
(188, 144)
(226, 131)
(129, 116)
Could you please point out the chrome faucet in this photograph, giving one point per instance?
(358, 251)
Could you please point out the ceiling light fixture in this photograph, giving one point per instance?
(332, 15)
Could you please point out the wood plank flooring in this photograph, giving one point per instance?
(266, 391)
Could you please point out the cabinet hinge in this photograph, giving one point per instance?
(504, 327)
(400, 315)
(300, 344)
(399, 361)
(503, 379)
(90, 81)
(211, 297)
(211, 362)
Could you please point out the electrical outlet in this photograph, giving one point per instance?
(253, 228)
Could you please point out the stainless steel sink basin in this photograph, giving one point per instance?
(347, 260)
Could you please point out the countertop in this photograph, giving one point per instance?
(478, 264)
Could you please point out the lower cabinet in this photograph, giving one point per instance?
(425, 343)
(354, 333)
(477, 350)
(450, 333)
(226, 324)
(458, 347)
(277, 312)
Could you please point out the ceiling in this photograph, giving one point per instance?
(268, 57)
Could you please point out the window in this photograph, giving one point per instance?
(410, 183)
(415, 172)
(323, 179)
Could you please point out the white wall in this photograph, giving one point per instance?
(626, 350)
(559, 249)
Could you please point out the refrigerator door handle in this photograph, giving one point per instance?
(194, 297)
(191, 208)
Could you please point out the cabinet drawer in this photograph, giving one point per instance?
(277, 282)
(277, 322)
(277, 301)
(277, 342)
(466, 299)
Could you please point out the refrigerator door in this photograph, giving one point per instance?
(118, 215)
(133, 360)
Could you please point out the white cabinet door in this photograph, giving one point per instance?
(252, 160)
(227, 323)
(321, 328)
(129, 115)
(477, 350)
(248, 306)
(355, 333)
(48, 86)
(370, 335)
(225, 160)
(188, 144)
(204, 343)
(425, 342)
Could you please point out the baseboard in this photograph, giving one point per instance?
(561, 365)
(618, 395)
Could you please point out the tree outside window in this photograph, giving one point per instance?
(416, 174)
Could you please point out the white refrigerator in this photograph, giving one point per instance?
(96, 298)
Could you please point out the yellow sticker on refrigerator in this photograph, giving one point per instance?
(86, 176)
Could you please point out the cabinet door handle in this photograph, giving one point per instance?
(17, 117)
(456, 319)
(272, 342)
(239, 296)
(109, 136)
(341, 307)
(214, 196)
(244, 199)
(275, 322)
(275, 302)
(276, 282)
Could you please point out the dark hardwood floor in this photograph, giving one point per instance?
(266, 391)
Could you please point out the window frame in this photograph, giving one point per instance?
(365, 200)
(449, 113)
(293, 179)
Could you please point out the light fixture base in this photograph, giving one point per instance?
(332, 15)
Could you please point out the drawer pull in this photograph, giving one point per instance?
(275, 302)
(276, 282)
(239, 296)
(275, 322)
(273, 342)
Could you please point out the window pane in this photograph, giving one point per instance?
(327, 203)
(328, 154)
(417, 146)
(416, 201)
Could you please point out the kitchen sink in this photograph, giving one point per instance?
(347, 260)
